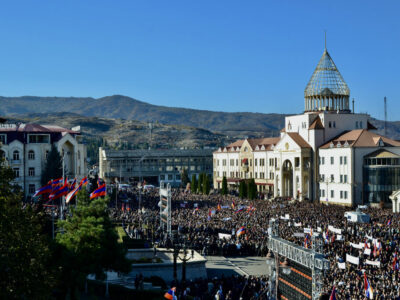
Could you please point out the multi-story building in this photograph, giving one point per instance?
(25, 148)
(328, 153)
(128, 166)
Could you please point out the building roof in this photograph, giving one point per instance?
(326, 79)
(317, 124)
(298, 139)
(360, 138)
(370, 126)
(266, 142)
(36, 128)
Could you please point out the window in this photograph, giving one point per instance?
(178, 177)
(262, 175)
(31, 172)
(16, 155)
(237, 162)
(361, 124)
(322, 193)
(39, 139)
(341, 178)
(345, 160)
(356, 124)
(3, 139)
(224, 174)
(330, 124)
(224, 162)
(31, 189)
(341, 160)
(345, 194)
(31, 155)
(250, 162)
(332, 178)
(332, 160)
(322, 177)
(16, 172)
(345, 178)
(232, 162)
(297, 162)
(170, 177)
(341, 194)
(334, 124)
(255, 162)
(332, 194)
(255, 174)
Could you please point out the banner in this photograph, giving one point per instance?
(367, 251)
(307, 230)
(297, 224)
(352, 259)
(357, 246)
(224, 236)
(227, 219)
(287, 217)
(341, 265)
(335, 230)
(298, 234)
(319, 229)
(339, 237)
(373, 263)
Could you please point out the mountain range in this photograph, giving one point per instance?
(115, 116)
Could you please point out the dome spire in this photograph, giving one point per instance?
(326, 89)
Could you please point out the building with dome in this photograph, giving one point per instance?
(328, 153)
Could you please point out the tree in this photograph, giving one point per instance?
(224, 189)
(242, 190)
(24, 250)
(184, 177)
(252, 189)
(206, 184)
(200, 183)
(193, 184)
(90, 243)
(53, 166)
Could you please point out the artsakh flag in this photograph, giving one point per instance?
(99, 192)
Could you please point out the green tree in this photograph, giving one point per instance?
(53, 166)
(224, 189)
(184, 177)
(206, 184)
(242, 189)
(200, 183)
(251, 189)
(193, 184)
(89, 243)
(24, 250)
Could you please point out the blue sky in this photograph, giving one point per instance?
(219, 55)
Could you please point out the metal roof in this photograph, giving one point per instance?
(326, 79)
(158, 153)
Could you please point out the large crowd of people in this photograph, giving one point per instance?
(201, 220)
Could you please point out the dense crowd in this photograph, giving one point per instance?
(200, 219)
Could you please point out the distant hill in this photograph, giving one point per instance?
(113, 111)
(122, 107)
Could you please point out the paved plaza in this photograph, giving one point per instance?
(227, 266)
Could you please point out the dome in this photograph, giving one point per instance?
(326, 89)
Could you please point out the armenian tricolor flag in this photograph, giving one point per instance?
(333, 294)
(43, 190)
(170, 295)
(240, 231)
(389, 222)
(101, 191)
(61, 191)
(369, 292)
(84, 181)
(239, 210)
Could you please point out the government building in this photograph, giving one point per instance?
(25, 148)
(328, 154)
(154, 165)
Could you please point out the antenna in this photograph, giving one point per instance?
(325, 39)
(151, 133)
(385, 103)
(353, 106)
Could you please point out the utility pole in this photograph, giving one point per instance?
(385, 103)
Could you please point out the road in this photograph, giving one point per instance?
(227, 266)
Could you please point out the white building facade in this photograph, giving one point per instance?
(328, 153)
(25, 147)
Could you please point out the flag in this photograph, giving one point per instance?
(128, 207)
(209, 215)
(251, 208)
(333, 294)
(72, 186)
(56, 182)
(123, 206)
(84, 181)
(326, 237)
(170, 295)
(389, 222)
(218, 207)
(43, 190)
(395, 263)
(369, 292)
(306, 241)
(196, 210)
(240, 231)
(99, 192)
(239, 210)
(366, 244)
(72, 194)
(233, 204)
(61, 191)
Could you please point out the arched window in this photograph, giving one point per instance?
(16, 155)
(31, 155)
